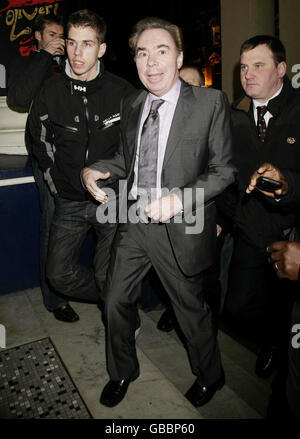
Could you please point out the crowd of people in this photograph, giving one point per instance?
(168, 176)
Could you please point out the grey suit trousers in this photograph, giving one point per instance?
(137, 247)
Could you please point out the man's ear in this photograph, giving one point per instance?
(102, 50)
(281, 68)
(38, 35)
(179, 60)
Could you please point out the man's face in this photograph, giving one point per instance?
(261, 78)
(52, 31)
(157, 60)
(83, 50)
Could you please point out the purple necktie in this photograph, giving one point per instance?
(148, 152)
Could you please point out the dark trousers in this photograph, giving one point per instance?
(256, 300)
(71, 222)
(138, 247)
(51, 299)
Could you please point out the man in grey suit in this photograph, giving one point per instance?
(175, 153)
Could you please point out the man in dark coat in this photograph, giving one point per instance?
(285, 257)
(266, 128)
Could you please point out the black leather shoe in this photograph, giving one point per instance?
(114, 392)
(166, 321)
(66, 314)
(199, 395)
(266, 361)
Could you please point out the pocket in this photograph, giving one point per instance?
(64, 127)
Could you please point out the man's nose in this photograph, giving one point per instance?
(249, 72)
(151, 61)
(78, 49)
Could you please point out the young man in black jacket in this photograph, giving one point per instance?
(27, 74)
(74, 122)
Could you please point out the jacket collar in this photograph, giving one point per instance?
(275, 105)
(82, 87)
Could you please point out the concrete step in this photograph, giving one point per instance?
(245, 396)
(81, 346)
(165, 371)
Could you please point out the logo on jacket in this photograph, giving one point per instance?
(79, 88)
(291, 140)
(110, 121)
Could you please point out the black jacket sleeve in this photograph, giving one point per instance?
(293, 179)
(26, 76)
(42, 139)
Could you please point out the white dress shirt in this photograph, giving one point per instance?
(166, 112)
(267, 115)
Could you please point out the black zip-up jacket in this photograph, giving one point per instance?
(260, 221)
(26, 75)
(73, 124)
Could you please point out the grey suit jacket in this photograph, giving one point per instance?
(198, 155)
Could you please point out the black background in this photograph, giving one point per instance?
(193, 16)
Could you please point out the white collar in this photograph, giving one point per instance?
(259, 104)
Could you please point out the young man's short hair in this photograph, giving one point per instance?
(87, 18)
(42, 20)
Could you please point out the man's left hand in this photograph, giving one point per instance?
(164, 208)
(285, 257)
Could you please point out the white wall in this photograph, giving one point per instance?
(12, 130)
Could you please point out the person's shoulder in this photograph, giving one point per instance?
(135, 97)
(21, 62)
(206, 92)
(210, 96)
(295, 95)
(117, 82)
(56, 80)
(52, 84)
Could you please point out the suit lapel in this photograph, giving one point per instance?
(134, 118)
(182, 113)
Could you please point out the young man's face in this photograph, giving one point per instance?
(261, 78)
(83, 50)
(157, 60)
(52, 31)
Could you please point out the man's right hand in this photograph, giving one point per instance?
(285, 257)
(270, 171)
(55, 47)
(89, 178)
